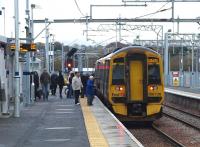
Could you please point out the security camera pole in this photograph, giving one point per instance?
(16, 74)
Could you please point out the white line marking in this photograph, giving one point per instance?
(63, 112)
(56, 140)
(58, 128)
(65, 105)
(63, 109)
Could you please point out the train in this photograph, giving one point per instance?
(130, 83)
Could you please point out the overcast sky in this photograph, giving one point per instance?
(73, 33)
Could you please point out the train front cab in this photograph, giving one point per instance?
(137, 86)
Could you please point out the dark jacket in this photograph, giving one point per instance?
(60, 80)
(45, 78)
(90, 88)
(54, 78)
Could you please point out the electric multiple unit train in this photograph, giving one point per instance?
(130, 82)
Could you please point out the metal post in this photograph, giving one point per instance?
(50, 56)
(62, 58)
(53, 53)
(32, 24)
(196, 73)
(172, 10)
(32, 54)
(192, 57)
(182, 62)
(192, 62)
(178, 25)
(4, 21)
(166, 62)
(46, 46)
(120, 29)
(27, 68)
(16, 76)
(116, 33)
(80, 67)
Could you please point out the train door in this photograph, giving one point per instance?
(136, 80)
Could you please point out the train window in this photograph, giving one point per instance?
(154, 74)
(118, 74)
(118, 60)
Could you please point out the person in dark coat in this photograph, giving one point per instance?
(70, 91)
(84, 79)
(53, 86)
(90, 91)
(45, 80)
(60, 81)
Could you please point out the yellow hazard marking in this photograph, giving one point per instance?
(95, 135)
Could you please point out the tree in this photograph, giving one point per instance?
(57, 46)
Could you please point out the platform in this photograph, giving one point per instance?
(184, 98)
(182, 91)
(61, 123)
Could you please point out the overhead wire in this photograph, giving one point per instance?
(79, 8)
(158, 11)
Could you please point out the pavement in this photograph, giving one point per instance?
(185, 89)
(56, 123)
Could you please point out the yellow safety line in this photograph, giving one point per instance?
(95, 135)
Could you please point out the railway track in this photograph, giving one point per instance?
(183, 111)
(172, 140)
(180, 119)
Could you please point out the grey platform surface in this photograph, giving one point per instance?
(182, 91)
(56, 123)
(115, 133)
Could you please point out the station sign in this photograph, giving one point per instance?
(176, 78)
(24, 47)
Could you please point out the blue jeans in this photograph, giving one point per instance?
(45, 91)
(70, 92)
(90, 99)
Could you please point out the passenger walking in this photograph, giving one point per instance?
(76, 86)
(60, 83)
(70, 90)
(90, 91)
(45, 80)
(53, 86)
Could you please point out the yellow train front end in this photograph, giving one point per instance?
(136, 86)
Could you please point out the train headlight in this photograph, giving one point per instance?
(121, 88)
(153, 87)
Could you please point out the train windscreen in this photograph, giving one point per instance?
(118, 74)
(154, 74)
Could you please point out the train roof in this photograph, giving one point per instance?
(142, 48)
(126, 49)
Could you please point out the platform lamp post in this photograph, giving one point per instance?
(16, 74)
